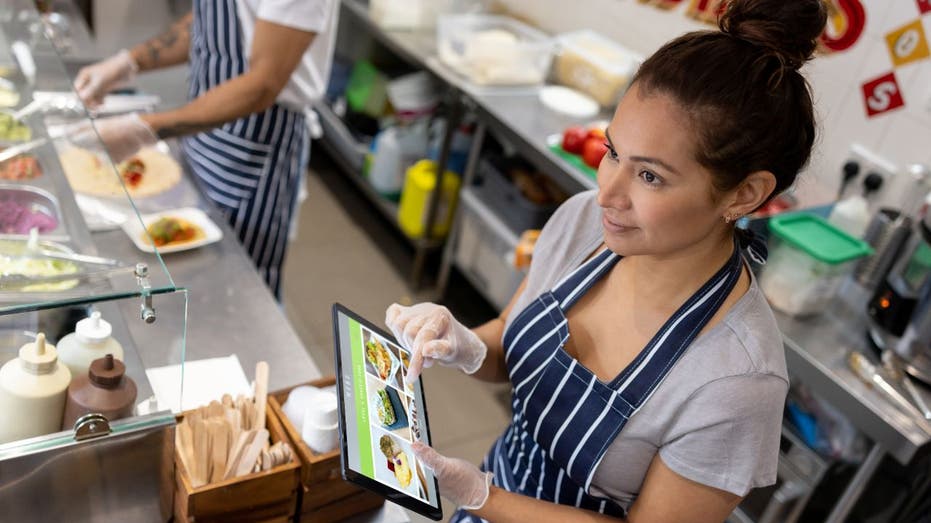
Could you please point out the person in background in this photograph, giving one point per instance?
(255, 68)
(647, 370)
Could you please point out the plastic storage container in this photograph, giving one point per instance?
(484, 250)
(494, 50)
(595, 65)
(418, 183)
(414, 14)
(505, 198)
(808, 257)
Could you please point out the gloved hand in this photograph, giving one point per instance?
(460, 481)
(124, 135)
(96, 80)
(431, 333)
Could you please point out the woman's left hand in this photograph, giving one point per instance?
(460, 481)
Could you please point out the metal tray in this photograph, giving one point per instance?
(37, 199)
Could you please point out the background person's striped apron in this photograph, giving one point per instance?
(564, 417)
(250, 168)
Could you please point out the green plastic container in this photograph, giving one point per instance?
(808, 259)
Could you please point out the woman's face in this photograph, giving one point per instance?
(656, 199)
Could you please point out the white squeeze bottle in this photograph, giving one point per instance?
(33, 388)
(385, 173)
(90, 340)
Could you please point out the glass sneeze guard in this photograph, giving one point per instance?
(67, 220)
(62, 186)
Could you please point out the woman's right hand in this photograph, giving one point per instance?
(431, 333)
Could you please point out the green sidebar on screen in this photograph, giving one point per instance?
(364, 443)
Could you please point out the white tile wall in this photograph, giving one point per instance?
(902, 135)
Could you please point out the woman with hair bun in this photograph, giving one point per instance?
(647, 370)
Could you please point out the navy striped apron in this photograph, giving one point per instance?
(564, 417)
(249, 168)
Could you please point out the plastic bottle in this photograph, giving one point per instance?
(852, 215)
(90, 340)
(32, 392)
(395, 149)
(458, 149)
(103, 389)
(385, 173)
(418, 184)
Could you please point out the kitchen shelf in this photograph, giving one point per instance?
(349, 155)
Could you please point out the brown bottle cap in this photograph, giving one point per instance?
(107, 371)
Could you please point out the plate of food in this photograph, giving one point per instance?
(382, 362)
(149, 172)
(173, 231)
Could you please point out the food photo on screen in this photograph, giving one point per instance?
(379, 361)
(397, 465)
(391, 409)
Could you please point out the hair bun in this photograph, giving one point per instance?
(787, 28)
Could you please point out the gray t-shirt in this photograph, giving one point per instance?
(716, 417)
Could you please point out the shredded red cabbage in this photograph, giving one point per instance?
(16, 218)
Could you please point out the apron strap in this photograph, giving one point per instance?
(641, 377)
(576, 284)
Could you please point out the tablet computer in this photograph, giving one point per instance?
(380, 416)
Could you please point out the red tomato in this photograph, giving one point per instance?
(573, 139)
(595, 132)
(593, 151)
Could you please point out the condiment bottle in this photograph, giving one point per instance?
(90, 340)
(102, 389)
(32, 392)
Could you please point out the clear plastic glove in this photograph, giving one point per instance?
(460, 481)
(431, 333)
(122, 135)
(96, 80)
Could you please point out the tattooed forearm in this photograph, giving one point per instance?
(169, 48)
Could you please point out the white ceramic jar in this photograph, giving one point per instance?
(90, 340)
(33, 388)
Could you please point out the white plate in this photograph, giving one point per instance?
(569, 101)
(137, 233)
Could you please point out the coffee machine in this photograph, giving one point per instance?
(900, 310)
(914, 347)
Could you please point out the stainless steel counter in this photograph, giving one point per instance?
(230, 311)
(816, 353)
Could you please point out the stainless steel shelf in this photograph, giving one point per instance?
(514, 113)
(349, 155)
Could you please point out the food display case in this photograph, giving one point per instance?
(63, 307)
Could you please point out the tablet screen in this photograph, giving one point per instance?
(381, 415)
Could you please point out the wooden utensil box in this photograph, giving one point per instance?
(269, 496)
(325, 496)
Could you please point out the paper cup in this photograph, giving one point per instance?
(321, 439)
(322, 411)
(298, 400)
